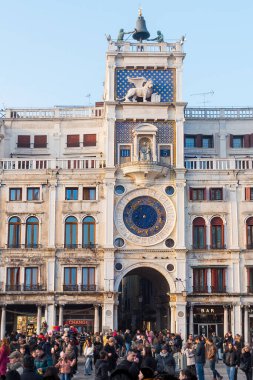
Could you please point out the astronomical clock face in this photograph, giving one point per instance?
(145, 216)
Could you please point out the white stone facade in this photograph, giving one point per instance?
(75, 169)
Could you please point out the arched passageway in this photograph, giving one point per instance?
(144, 300)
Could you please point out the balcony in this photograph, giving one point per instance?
(13, 288)
(218, 289)
(139, 170)
(33, 288)
(22, 164)
(145, 47)
(23, 246)
(55, 113)
(200, 289)
(80, 288)
(219, 164)
(91, 246)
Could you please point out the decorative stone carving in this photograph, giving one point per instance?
(143, 89)
(145, 152)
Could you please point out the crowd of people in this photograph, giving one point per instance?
(121, 356)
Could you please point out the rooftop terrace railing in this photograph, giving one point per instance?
(56, 112)
(218, 113)
(219, 164)
(145, 47)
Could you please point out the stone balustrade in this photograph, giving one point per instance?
(146, 47)
(218, 113)
(65, 164)
(56, 112)
(219, 164)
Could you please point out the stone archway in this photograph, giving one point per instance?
(144, 297)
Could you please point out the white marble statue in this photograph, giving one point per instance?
(143, 89)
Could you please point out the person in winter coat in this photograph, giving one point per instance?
(245, 362)
(102, 367)
(65, 366)
(231, 360)
(88, 354)
(98, 347)
(165, 362)
(4, 357)
(29, 370)
(15, 363)
(131, 364)
(112, 354)
(148, 360)
(189, 352)
(200, 357)
(40, 361)
(211, 355)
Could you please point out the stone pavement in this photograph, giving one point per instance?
(208, 374)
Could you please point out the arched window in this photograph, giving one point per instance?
(217, 233)
(250, 233)
(32, 232)
(14, 230)
(89, 231)
(71, 232)
(199, 233)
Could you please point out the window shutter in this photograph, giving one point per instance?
(199, 141)
(190, 193)
(246, 141)
(251, 140)
(213, 278)
(205, 278)
(205, 197)
(247, 193)
(24, 141)
(40, 141)
(72, 141)
(224, 278)
(89, 140)
(231, 141)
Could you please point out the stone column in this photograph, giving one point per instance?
(172, 319)
(3, 322)
(168, 318)
(191, 320)
(116, 316)
(60, 315)
(208, 234)
(246, 324)
(225, 320)
(38, 319)
(51, 219)
(237, 312)
(110, 127)
(180, 244)
(96, 318)
(51, 316)
(180, 143)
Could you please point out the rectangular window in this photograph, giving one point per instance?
(24, 141)
(237, 142)
(89, 193)
(125, 152)
(199, 237)
(218, 280)
(197, 194)
(89, 140)
(217, 237)
(73, 141)
(207, 141)
(71, 193)
(40, 141)
(31, 279)
(216, 194)
(250, 280)
(33, 194)
(12, 280)
(200, 280)
(190, 141)
(249, 194)
(88, 279)
(15, 194)
(70, 279)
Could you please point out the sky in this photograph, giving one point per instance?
(53, 51)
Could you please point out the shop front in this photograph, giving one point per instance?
(82, 325)
(208, 319)
(27, 324)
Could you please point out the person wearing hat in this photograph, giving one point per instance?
(15, 363)
(165, 362)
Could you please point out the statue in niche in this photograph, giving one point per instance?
(145, 152)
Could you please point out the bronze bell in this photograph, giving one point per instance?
(141, 33)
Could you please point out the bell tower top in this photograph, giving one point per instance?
(140, 11)
(141, 33)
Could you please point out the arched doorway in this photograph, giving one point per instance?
(144, 300)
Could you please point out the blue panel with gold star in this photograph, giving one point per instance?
(163, 82)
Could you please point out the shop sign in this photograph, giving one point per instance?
(78, 322)
(209, 310)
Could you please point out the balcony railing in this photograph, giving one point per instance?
(12, 288)
(219, 164)
(218, 289)
(54, 113)
(23, 246)
(65, 164)
(33, 287)
(146, 47)
(80, 246)
(200, 289)
(219, 113)
(80, 288)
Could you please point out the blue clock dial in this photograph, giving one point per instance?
(144, 216)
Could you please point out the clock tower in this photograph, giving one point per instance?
(145, 181)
